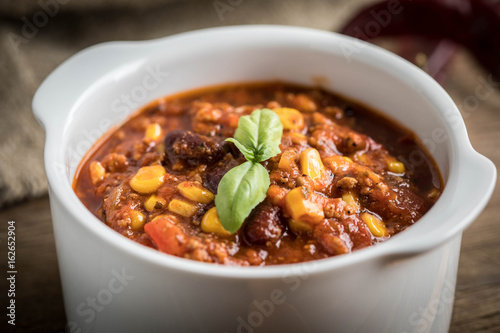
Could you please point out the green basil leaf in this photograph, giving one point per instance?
(248, 153)
(240, 190)
(260, 135)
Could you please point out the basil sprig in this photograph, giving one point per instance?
(258, 135)
(242, 188)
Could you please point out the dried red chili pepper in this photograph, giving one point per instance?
(474, 24)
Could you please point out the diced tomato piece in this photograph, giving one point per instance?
(166, 236)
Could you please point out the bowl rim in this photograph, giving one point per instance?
(462, 151)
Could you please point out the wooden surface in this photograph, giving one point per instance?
(477, 304)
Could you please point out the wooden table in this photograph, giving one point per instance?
(477, 304)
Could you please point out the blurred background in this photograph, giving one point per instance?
(456, 41)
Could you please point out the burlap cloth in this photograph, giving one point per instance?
(37, 35)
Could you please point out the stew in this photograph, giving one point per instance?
(344, 177)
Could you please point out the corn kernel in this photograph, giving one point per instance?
(304, 103)
(433, 194)
(334, 112)
(97, 172)
(320, 119)
(137, 220)
(182, 207)
(301, 208)
(299, 227)
(311, 165)
(351, 200)
(148, 179)
(396, 167)
(287, 160)
(290, 118)
(337, 163)
(361, 158)
(277, 195)
(170, 217)
(194, 191)
(211, 223)
(376, 226)
(153, 131)
(348, 159)
(153, 202)
(298, 138)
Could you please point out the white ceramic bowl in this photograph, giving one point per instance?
(112, 284)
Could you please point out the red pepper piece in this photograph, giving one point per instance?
(166, 236)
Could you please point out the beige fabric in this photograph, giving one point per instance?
(19, 8)
(29, 54)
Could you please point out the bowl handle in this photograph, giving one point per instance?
(60, 90)
(467, 199)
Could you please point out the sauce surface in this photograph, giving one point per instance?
(343, 180)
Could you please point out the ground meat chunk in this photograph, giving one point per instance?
(347, 183)
(185, 149)
(114, 162)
